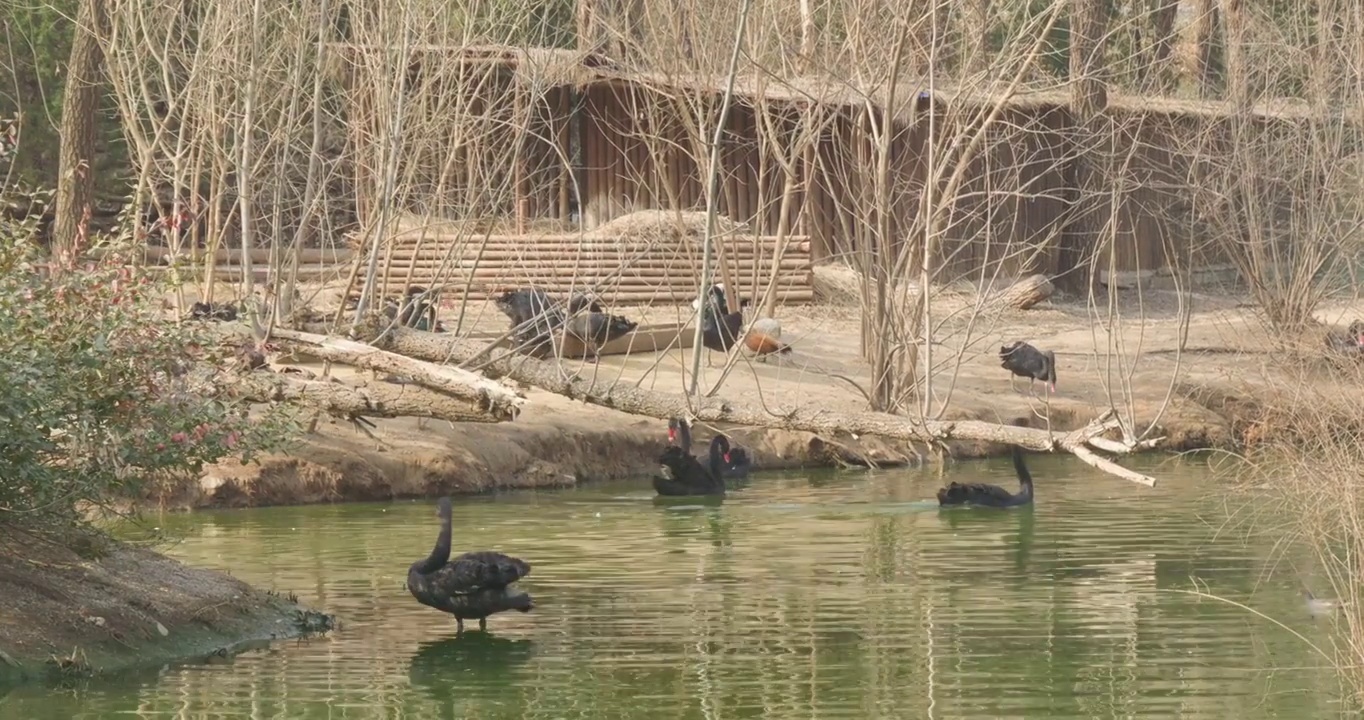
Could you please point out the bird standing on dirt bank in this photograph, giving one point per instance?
(473, 586)
(1351, 343)
(594, 329)
(764, 337)
(1024, 360)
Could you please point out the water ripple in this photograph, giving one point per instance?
(836, 595)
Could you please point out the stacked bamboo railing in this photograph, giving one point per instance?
(625, 268)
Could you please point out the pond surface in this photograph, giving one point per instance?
(832, 595)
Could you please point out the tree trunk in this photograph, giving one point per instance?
(489, 396)
(1162, 75)
(376, 399)
(1236, 72)
(80, 106)
(1081, 239)
(1027, 292)
(1207, 49)
(625, 397)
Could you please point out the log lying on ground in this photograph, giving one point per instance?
(376, 399)
(551, 377)
(488, 396)
(1027, 292)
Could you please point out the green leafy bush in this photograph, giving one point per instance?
(100, 391)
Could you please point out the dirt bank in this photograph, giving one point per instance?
(1209, 395)
(105, 606)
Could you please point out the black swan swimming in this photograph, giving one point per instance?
(991, 495)
(1024, 360)
(470, 587)
(689, 476)
(679, 434)
(736, 462)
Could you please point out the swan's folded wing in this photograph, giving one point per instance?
(477, 570)
(956, 493)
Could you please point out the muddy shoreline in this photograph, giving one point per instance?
(78, 604)
(565, 444)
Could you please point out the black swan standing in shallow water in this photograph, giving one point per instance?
(991, 495)
(1024, 360)
(689, 476)
(470, 587)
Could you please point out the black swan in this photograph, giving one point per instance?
(736, 461)
(470, 587)
(689, 476)
(416, 310)
(594, 329)
(991, 495)
(679, 434)
(720, 332)
(1024, 360)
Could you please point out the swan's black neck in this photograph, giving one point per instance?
(1024, 477)
(684, 435)
(718, 447)
(439, 554)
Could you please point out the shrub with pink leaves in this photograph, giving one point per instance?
(100, 392)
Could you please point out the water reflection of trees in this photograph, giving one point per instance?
(863, 606)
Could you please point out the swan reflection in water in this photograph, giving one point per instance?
(468, 666)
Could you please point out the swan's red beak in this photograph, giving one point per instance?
(1053, 387)
(726, 457)
(672, 435)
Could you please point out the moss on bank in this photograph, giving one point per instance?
(79, 604)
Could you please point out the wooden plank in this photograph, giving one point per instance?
(645, 339)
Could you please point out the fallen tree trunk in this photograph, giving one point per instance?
(551, 377)
(377, 399)
(1026, 293)
(488, 396)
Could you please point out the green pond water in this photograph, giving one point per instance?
(829, 595)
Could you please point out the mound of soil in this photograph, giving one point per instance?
(75, 603)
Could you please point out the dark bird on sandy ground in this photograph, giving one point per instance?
(534, 316)
(594, 329)
(991, 495)
(1024, 360)
(417, 310)
(687, 476)
(524, 304)
(1351, 343)
(473, 586)
(225, 312)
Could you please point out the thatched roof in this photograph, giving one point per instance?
(836, 92)
(542, 66)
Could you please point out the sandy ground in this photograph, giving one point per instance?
(1198, 398)
(71, 609)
